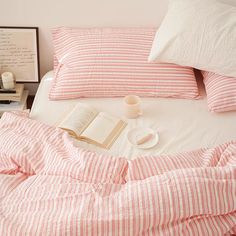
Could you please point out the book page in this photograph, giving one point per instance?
(79, 118)
(101, 127)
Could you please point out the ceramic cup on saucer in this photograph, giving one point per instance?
(132, 106)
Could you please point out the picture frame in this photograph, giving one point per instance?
(19, 53)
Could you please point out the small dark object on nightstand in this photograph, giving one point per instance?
(7, 91)
(5, 102)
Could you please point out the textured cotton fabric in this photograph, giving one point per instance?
(221, 92)
(50, 187)
(198, 33)
(112, 62)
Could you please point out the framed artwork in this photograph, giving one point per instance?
(19, 53)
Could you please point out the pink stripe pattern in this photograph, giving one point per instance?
(112, 62)
(51, 187)
(221, 92)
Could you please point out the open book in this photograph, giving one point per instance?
(86, 124)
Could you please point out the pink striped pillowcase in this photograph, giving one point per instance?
(221, 92)
(112, 62)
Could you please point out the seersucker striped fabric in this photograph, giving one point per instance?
(51, 187)
(221, 92)
(112, 62)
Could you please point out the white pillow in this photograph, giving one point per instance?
(200, 34)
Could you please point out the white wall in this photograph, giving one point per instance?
(46, 14)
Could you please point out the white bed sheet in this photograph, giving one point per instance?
(182, 125)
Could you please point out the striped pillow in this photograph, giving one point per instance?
(112, 62)
(221, 92)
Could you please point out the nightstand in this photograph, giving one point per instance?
(15, 106)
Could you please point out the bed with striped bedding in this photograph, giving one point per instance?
(51, 187)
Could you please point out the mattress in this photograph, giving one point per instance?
(182, 125)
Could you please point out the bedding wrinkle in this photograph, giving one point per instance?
(67, 190)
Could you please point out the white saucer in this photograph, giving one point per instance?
(137, 133)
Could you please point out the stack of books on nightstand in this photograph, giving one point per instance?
(13, 99)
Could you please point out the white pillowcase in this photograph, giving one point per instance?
(200, 34)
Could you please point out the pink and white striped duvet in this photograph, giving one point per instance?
(50, 187)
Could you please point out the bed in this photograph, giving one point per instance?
(52, 184)
(62, 190)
